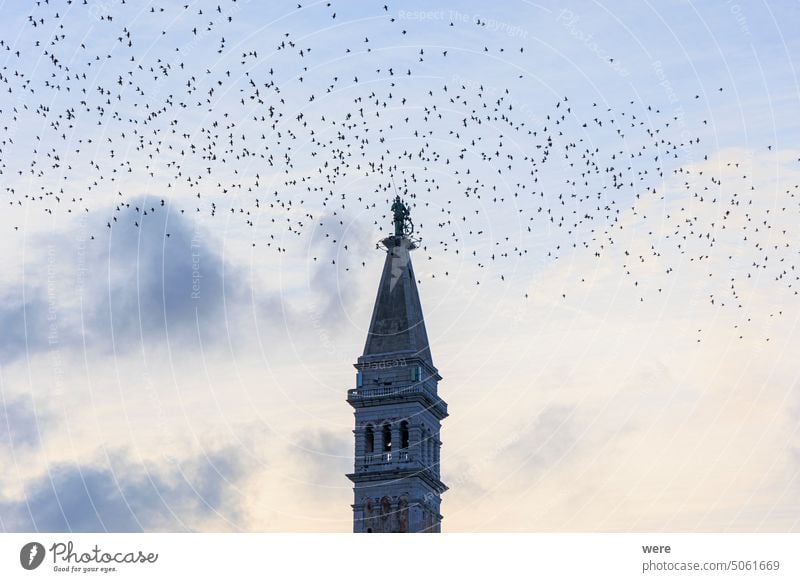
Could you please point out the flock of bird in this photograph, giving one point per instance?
(301, 125)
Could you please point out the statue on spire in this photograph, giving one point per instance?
(402, 218)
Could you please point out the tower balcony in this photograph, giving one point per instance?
(392, 465)
(380, 395)
(402, 456)
(403, 459)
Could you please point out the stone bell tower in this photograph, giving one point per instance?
(398, 412)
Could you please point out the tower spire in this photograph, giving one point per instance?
(398, 412)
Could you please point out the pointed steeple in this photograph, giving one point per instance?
(396, 479)
(397, 328)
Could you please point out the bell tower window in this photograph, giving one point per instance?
(369, 439)
(387, 437)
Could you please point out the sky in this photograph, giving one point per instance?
(605, 366)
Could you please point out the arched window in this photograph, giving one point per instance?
(369, 439)
(387, 437)
(402, 510)
(404, 434)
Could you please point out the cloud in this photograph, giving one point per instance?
(24, 324)
(130, 286)
(326, 456)
(337, 250)
(152, 287)
(21, 424)
(127, 496)
(133, 286)
(547, 441)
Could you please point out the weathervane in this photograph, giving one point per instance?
(402, 218)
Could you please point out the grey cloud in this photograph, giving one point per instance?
(548, 440)
(133, 286)
(130, 286)
(532, 449)
(461, 474)
(23, 326)
(326, 457)
(336, 297)
(21, 425)
(150, 287)
(126, 496)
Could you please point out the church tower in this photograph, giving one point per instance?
(398, 412)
